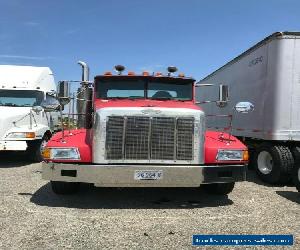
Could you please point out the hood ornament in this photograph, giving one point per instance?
(151, 111)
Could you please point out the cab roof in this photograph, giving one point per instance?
(26, 77)
(161, 78)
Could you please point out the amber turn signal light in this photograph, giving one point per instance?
(46, 153)
(246, 155)
(30, 135)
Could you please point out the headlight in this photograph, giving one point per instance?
(232, 155)
(20, 135)
(61, 153)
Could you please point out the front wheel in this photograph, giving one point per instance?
(61, 187)
(219, 188)
(35, 149)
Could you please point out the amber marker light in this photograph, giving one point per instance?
(30, 135)
(145, 73)
(46, 153)
(246, 155)
(131, 73)
(108, 73)
(158, 74)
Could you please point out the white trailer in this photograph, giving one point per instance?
(24, 126)
(267, 75)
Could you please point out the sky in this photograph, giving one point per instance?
(197, 36)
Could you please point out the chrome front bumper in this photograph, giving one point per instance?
(123, 175)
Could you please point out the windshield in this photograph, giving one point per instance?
(176, 91)
(21, 98)
(135, 89)
(121, 89)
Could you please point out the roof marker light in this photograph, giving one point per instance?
(171, 70)
(108, 73)
(119, 69)
(145, 73)
(131, 73)
(158, 74)
(181, 75)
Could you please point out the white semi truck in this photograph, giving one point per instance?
(24, 125)
(267, 75)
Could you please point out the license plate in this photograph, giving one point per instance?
(148, 174)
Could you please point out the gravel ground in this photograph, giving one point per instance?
(32, 217)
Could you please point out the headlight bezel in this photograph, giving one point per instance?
(49, 153)
(239, 155)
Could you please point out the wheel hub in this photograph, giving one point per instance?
(265, 162)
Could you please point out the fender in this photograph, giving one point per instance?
(215, 141)
(78, 138)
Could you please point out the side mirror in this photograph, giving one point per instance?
(244, 107)
(223, 95)
(63, 92)
(52, 93)
(50, 107)
(37, 109)
(51, 103)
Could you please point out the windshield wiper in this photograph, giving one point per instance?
(113, 98)
(162, 98)
(136, 97)
(10, 105)
(124, 98)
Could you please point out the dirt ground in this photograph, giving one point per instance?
(33, 217)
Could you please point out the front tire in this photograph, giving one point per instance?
(35, 149)
(219, 188)
(61, 187)
(273, 164)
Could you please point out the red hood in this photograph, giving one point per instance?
(112, 103)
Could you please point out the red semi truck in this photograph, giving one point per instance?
(142, 130)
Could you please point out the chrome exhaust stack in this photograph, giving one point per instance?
(85, 71)
(84, 99)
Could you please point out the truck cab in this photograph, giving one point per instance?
(24, 126)
(143, 130)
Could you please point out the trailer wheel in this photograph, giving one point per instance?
(61, 187)
(219, 188)
(296, 154)
(296, 170)
(273, 164)
(296, 177)
(35, 149)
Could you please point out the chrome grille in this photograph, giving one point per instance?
(114, 137)
(146, 138)
(137, 137)
(185, 131)
(163, 138)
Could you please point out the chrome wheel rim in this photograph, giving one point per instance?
(43, 145)
(265, 162)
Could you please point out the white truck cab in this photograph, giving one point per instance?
(24, 125)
